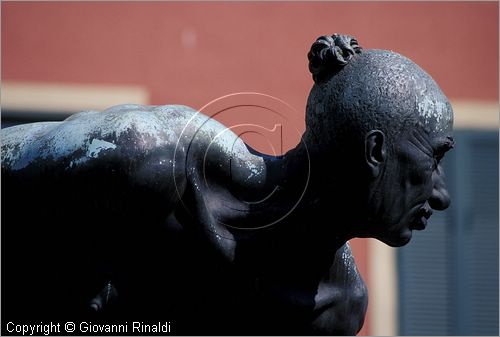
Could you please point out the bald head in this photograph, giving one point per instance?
(373, 90)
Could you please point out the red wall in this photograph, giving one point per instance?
(241, 46)
(233, 47)
(191, 53)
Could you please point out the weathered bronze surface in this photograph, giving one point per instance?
(157, 213)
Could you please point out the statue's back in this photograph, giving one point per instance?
(79, 201)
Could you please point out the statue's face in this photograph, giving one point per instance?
(412, 184)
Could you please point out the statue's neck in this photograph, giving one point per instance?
(315, 188)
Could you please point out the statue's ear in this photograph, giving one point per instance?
(375, 152)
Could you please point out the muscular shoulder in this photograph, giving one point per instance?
(223, 158)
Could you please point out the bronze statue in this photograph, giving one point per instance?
(159, 212)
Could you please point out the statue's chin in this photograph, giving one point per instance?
(396, 239)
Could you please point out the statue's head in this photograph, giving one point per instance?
(387, 124)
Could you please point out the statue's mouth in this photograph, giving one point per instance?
(421, 218)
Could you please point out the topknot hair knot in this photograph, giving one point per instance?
(329, 54)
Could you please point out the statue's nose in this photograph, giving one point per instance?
(440, 198)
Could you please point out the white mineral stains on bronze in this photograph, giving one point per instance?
(88, 134)
(20, 143)
(434, 112)
(96, 146)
